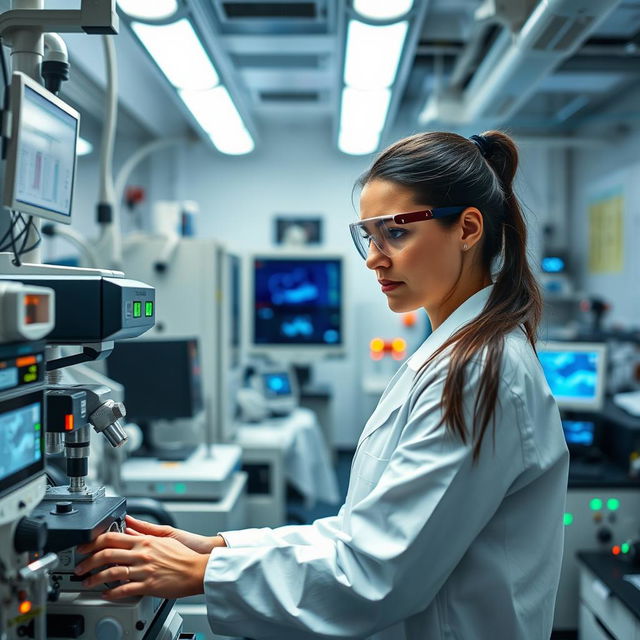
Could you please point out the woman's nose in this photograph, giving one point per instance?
(375, 258)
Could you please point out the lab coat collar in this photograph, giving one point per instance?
(471, 308)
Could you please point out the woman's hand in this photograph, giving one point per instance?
(148, 566)
(195, 542)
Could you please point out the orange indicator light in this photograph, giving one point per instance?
(409, 319)
(616, 550)
(399, 345)
(25, 361)
(377, 345)
(68, 422)
(24, 607)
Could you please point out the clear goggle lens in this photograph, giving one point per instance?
(390, 234)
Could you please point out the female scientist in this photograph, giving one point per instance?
(452, 525)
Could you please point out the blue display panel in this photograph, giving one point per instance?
(578, 432)
(21, 439)
(277, 384)
(571, 374)
(297, 302)
(20, 434)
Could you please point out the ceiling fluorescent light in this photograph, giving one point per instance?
(217, 115)
(146, 10)
(357, 143)
(373, 54)
(364, 109)
(362, 118)
(178, 52)
(83, 147)
(382, 9)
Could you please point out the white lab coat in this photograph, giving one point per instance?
(428, 545)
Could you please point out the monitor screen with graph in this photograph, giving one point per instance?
(41, 154)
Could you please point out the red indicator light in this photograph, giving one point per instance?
(24, 607)
(616, 550)
(68, 422)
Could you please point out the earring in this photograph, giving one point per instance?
(465, 246)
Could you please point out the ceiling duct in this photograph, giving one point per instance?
(515, 66)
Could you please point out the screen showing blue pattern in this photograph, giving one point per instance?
(571, 374)
(578, 432)
(277, 384)
(297, 301)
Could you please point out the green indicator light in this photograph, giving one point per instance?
(596, 504)
(624, 547)
(36, 426)
(181, 487)
(613, 504)
(137, 309)
(148, 309)
(568, 519)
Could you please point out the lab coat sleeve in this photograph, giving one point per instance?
(315, 533)
(403, 538)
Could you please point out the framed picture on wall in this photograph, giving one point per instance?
(297, 230)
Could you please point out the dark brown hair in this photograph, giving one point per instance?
(447, 169)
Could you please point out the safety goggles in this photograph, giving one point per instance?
(386, 232)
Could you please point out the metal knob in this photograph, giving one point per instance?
(105, 420)
(30, 535)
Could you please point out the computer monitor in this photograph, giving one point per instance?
(41, 155)
(575, 372)
(21, 439)
(295, 305)
(161, 378)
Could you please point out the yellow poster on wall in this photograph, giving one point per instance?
(606, 219)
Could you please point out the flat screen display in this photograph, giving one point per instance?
(553, 264)
(21, 439)
(578, 432)
(297, 302)
(277, 384)
(46, 155)
(571, 374)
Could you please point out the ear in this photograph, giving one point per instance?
(471, 226)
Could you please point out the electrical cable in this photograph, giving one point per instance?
(16, 256)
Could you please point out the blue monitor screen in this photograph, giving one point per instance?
(277, 384)
(578, 432)
(297, 301)
(571, 374)
(20, 439)
(553, 264)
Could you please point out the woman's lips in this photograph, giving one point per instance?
(389, 285)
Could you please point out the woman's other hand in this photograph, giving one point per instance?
(195, 542)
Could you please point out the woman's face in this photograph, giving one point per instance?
(425, 271)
